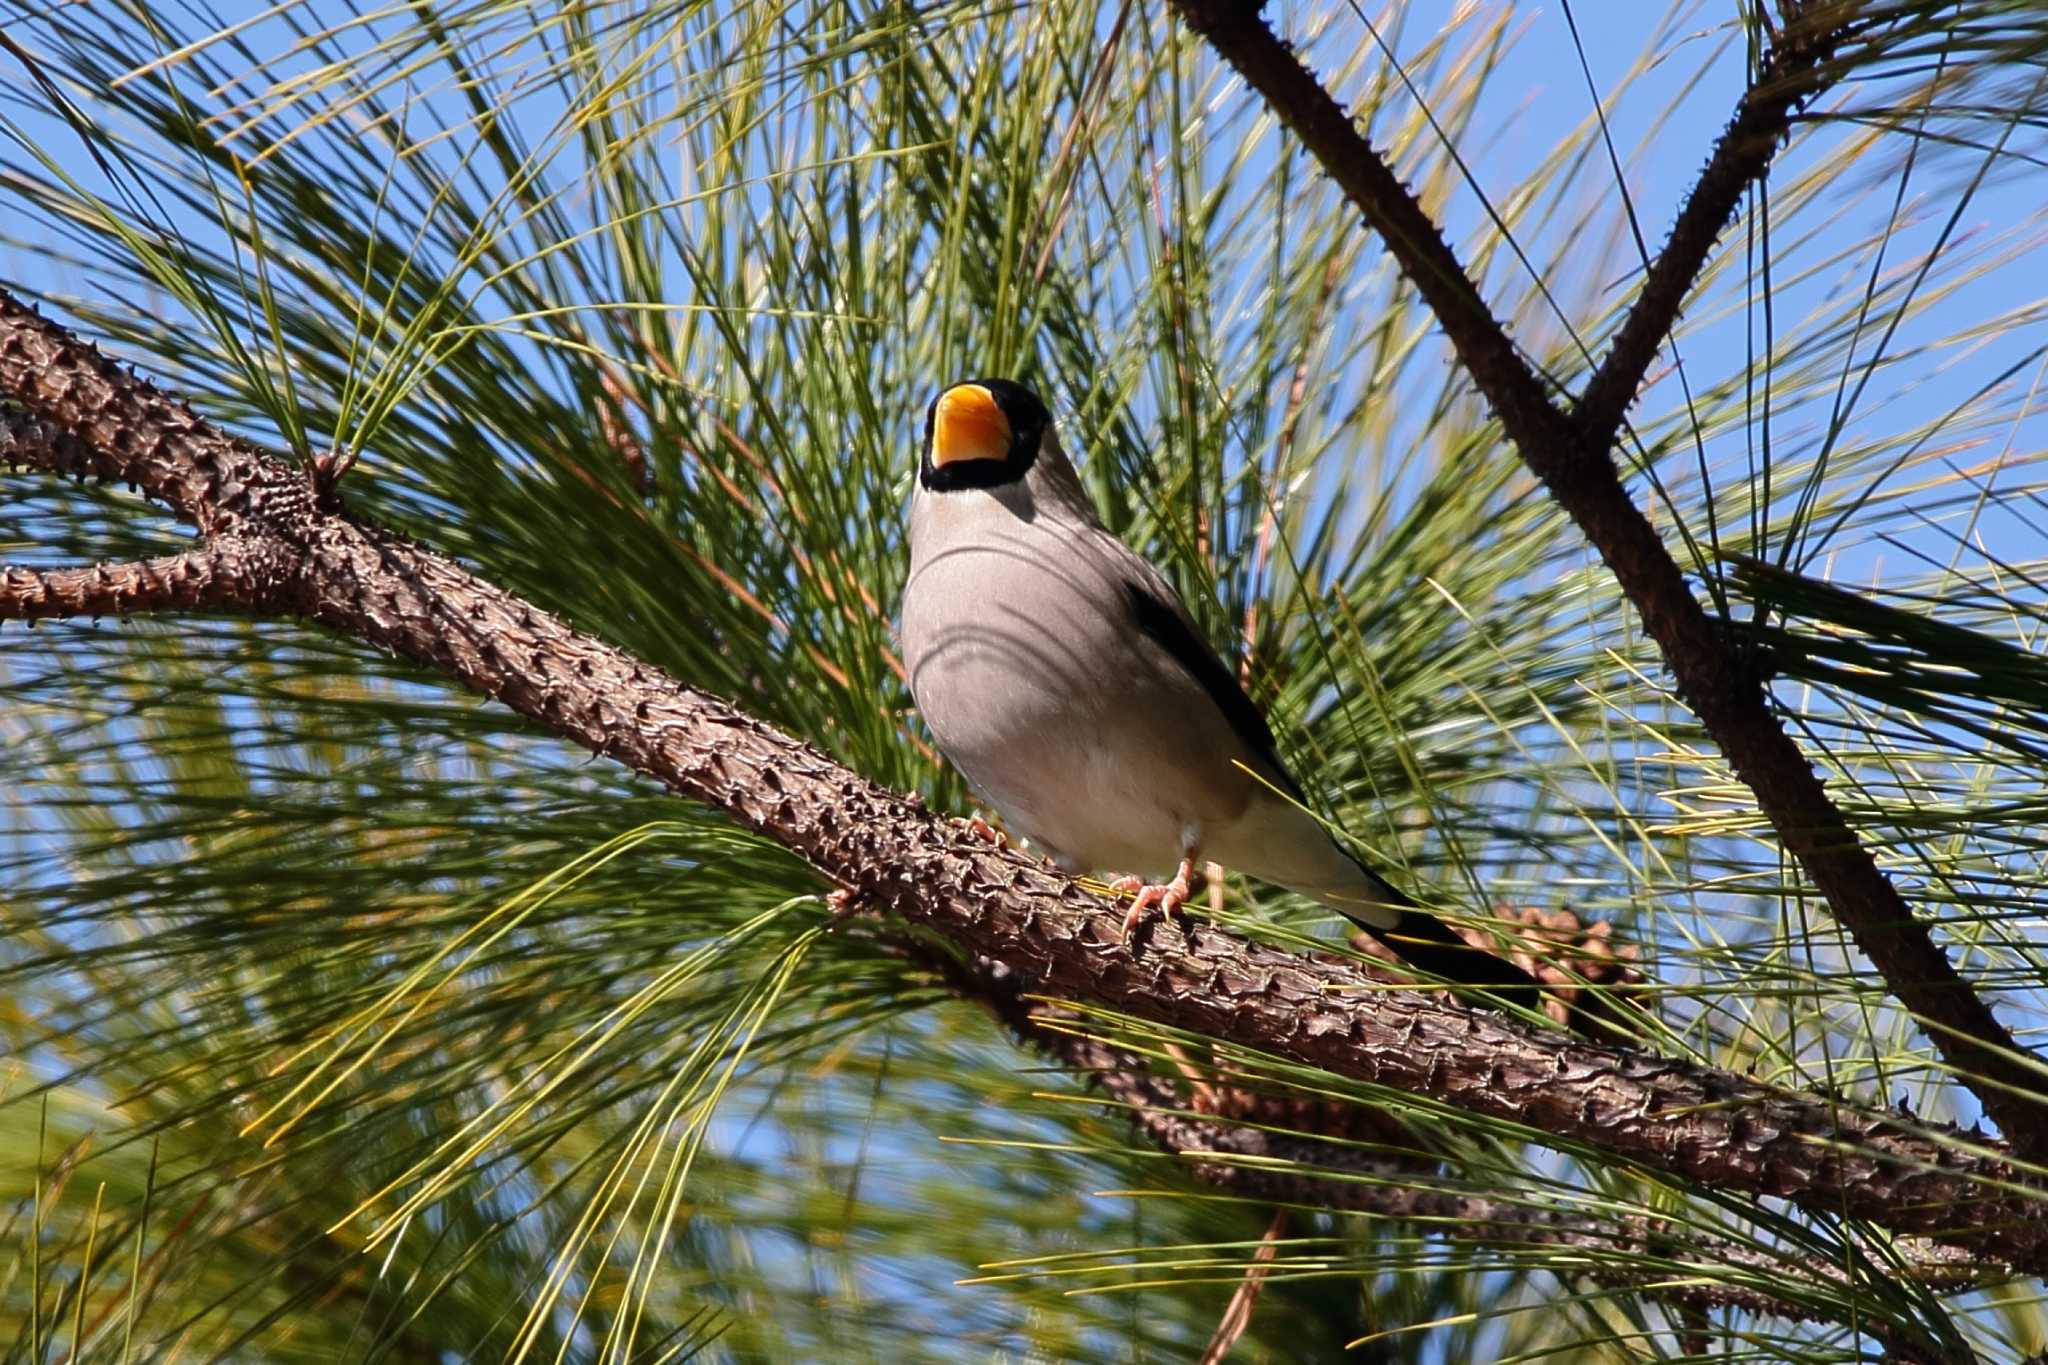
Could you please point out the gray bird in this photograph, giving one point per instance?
(1066, 680)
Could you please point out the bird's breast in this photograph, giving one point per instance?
(1032, 679)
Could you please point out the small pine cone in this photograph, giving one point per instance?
(1555, 946)
(1568, 954)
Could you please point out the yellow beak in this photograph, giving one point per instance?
(969, 425)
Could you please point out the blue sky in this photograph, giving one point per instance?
(1686, 71)
(1540, 94)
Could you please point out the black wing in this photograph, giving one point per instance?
(1419, 937)
(1161, 621)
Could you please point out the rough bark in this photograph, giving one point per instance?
(1571, 453)
(298, 552)
(1278, 1149)
(229, 573)
(1684, 1269)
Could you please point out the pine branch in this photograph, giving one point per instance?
(29, 443)
(1688, 1270)
(1052, 937)
(228, 573)
(118, 431)
(1794, 70)
(1269, 1157)
(1572, 455)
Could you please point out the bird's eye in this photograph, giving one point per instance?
(969, 424)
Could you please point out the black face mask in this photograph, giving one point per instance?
(1028, 419)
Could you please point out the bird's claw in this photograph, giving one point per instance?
(844, 903)
(1168, 896)
(977, 825)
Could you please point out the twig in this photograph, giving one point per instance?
(1237, 1314)
(1794, 71)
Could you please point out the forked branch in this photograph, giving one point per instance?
(314, 560)
(1572, 454)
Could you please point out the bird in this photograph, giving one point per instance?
(1067, 681)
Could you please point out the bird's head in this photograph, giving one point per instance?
(982, 433)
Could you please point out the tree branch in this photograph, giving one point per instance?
(377, 587)
(233, 572)
(1361, 1175)
(1683, 1270)
(1573, 459)
(28, 442)
(114, 428)
(1793, 72)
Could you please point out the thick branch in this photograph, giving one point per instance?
(1351, 1176)
(87, 418)
(1713, 676)
(1688, 1269)
(28, 442)
(1671, 1116)
(233, 572)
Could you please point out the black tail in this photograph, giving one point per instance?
(1432, 947)
(1428, 944)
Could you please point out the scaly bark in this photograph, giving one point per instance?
(307, 556)
(1270, 1149)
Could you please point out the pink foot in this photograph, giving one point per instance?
(977, 825)
(1168, 896)
(844, 904)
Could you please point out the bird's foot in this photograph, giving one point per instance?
(1168, 896)
(977, 825)
(844, 903)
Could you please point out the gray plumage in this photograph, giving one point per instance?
(1067, 681)
(1065, 678)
